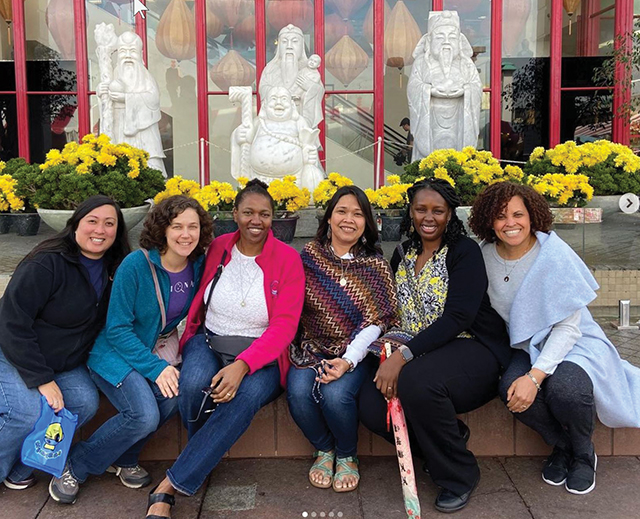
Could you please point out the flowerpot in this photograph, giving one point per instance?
(223, 223)
(391, 228)
(285, 228)
(6, 222)
(573, 215)
(26, 224)
(57, 218)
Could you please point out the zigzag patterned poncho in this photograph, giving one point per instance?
(334, 313)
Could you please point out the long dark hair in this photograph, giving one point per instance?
(259, 188)
(455, 227)
(369, 246)
(65, 240)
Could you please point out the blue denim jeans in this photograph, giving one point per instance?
(20, 409)
(333, 422)
(215, 433)
(141, 411)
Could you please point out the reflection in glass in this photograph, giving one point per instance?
(52, 123)
(8, 81)
(525, 106)
(588, 27)
(586, 117)
(8, 125)
(349, 120)
(284, 12)
(525, 28)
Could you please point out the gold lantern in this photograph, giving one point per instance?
(215, 26)
(570, 6)
(176, 35)
(368, 21)
(232, 70)
(401, 36)
(346, 60)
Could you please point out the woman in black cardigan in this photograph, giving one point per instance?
(460, 348)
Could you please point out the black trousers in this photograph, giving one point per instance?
(564, 412)
(456, 378)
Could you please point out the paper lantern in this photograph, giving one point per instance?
(60, 23)
(232, 70)
(334, 29)
(231, 12)
(515, 16)
(214, 23)
(283, 12)
(346, 7)
(346, 60)
(6, 10)
(401, 36)
(570, 6)
(245, 31)
(368, 21)
(176, 35)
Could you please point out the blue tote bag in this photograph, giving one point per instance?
(47, 445)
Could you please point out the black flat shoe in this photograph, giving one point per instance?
(448, 502)
(159, 498)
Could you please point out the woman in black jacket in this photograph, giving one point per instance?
(50, 314)
(460, 345)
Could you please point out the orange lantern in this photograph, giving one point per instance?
(245, 31)
(515, 16)
(6, 10)
(368, 21)
(231, 11)
(570, 6)
(401, 36)
(334, 29)
(346, 60)
(214, 23)
(283, 12)
(232, 70)
(60, 23)
(346, 7)
(176, 35)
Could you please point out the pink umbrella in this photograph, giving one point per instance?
(403, 450)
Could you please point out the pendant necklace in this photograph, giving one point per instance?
(244, 295)
(504, 263)
(343, 279)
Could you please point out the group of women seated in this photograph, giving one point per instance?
(507, 317)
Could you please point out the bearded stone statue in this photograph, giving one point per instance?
(444, 90)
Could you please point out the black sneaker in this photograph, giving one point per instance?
(582, 475)
(556, 467)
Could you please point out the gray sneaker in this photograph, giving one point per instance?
(131, 477)
(65, 488)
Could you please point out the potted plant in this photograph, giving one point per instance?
(95, 166)
(289, 199)
(218, 198)
(15, 211)
(567, 195)
(325, 191)
(391, 200)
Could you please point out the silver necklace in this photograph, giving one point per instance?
(343, 279)
(504, 263)
(244, 269)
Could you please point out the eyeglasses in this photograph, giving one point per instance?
(205, 399)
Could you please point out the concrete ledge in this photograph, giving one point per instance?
(274, 434)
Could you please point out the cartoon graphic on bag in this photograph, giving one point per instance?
(47, 445)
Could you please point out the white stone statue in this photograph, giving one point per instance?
(292, 69)
(444, 89)
(278, 142)
(129, 95)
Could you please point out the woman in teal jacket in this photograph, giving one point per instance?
(123, 363)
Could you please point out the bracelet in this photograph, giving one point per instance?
(534, 380)
(351, 364)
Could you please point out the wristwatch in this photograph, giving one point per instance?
(352, 366)
(406, 353)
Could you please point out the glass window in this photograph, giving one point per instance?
(589, 29)
(8, 125)
(348, 33)
(587, 116)
(283, 12)
(52, 123)
(349, 120)
(231, 44)
(7, 71)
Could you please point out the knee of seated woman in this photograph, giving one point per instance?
(143, 421)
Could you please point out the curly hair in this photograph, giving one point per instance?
(493, 200)
(259, 188)
(455, 227)
(153, 235)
